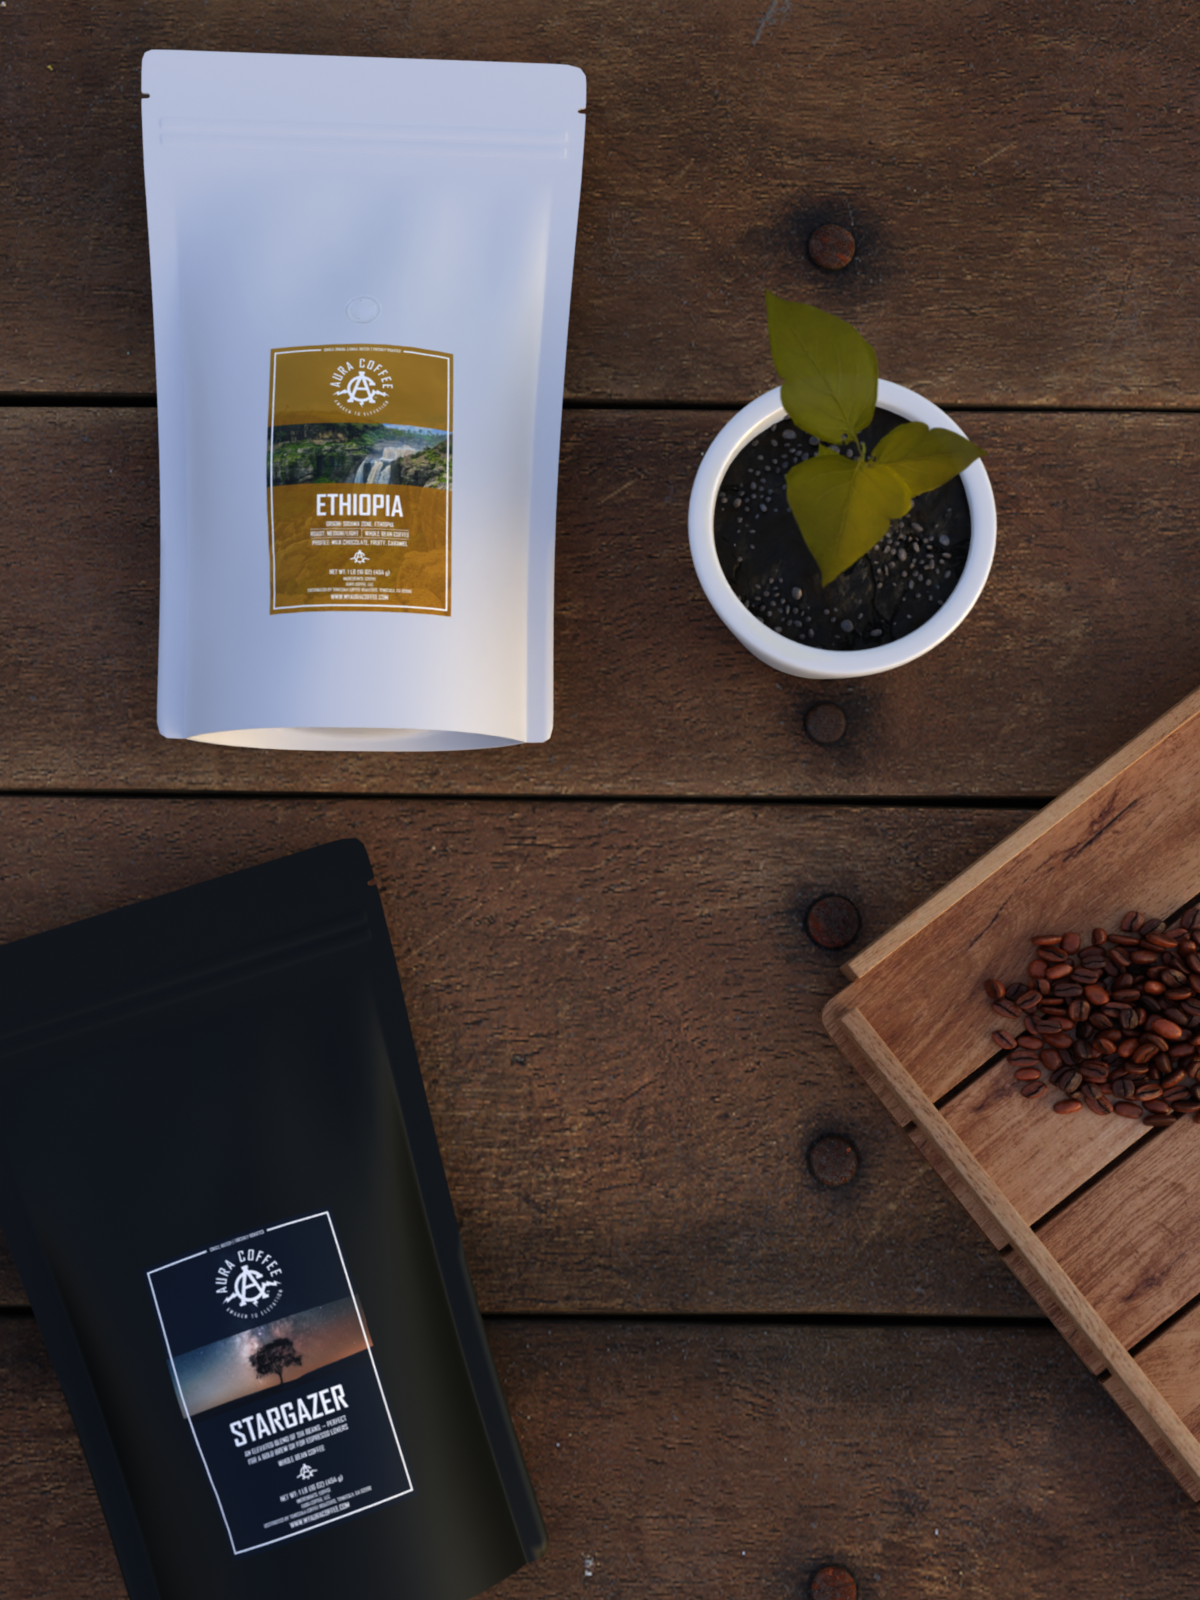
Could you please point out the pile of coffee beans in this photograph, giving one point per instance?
(1114, 1025)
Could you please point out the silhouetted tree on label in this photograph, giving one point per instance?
(274, 1357)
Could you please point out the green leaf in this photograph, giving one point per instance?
(829, 371)
(843, 507)
(925, 457)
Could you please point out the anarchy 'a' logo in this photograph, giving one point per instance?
(362, 387)
(249, 1284)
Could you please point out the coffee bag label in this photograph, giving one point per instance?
(275, 1374)
(358, 478)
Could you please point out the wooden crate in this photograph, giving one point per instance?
(1098, 1216)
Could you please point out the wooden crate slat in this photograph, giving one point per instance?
(718, 138)
(1129, 1241)
(845, 1022)
(1008, 1136)
(653, 697)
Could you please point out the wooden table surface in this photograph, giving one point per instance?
(724, 1374)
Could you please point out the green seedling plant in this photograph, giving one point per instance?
(843, 502)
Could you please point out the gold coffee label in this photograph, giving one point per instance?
(358, 468)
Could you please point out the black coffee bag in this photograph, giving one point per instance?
(220, 1181)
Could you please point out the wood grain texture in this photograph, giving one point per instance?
(1020, 180)
(617, 1012)
(653, 696)
(1129, 1241)
(712, 1461)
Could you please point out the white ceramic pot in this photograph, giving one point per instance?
(802, 660)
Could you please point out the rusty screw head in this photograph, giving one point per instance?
(833, 1160)
(833, 922)
(825, 724)
(831, 247)
(833, 1583)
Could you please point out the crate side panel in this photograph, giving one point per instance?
(1184, 1471)
(1062, 1320)
(1171, 1360)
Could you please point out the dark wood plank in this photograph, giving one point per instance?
(1023, 186)
(737, 1460)
(1083, 635)
(617, 1012)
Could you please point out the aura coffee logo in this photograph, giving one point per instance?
(249, 1284)
(361, 388)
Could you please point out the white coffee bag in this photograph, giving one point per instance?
(361, 273)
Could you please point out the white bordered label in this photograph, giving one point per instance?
(274, 1370)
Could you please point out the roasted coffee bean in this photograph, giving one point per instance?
(1099, 936)
(1023, 1058)
(1065, 1107)
(1152, 986)
(1158, 1108)
(1173, 1079)
(1157, 941)
(1005, 1008)
(1028, 1074)
(1094, 1074)
(1004, 1040)
(1074, 1079)
(1067, 991)
(1057, 1040)
(1032, 1091)
(1128, 920)
(994, 990)
(1165, 1028)
(1071, 943)
(1095, 995)
(1159, 1122)
(1095, 1105)
(1059, 970)
(1127, 1108)
(1173, 1014)
(1050, 1059)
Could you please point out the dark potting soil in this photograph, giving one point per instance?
(886, 594)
